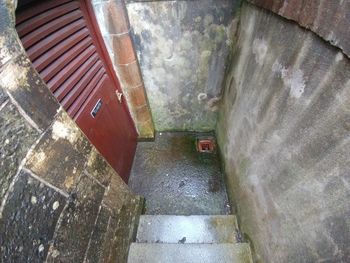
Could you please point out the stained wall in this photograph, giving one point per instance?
(284, 134)
(183, 48)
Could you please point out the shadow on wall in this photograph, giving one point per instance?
(284, 134)
(59, 197)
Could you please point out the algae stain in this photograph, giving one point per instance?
(183, 145)
(243, 167)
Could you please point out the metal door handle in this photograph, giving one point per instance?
(119, 96)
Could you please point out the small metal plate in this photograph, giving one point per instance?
(97, 107)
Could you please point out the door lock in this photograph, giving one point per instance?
(119, 96)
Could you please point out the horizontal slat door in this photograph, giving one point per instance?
(63, 44)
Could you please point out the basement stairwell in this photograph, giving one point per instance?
(182, 131)
(187, 215)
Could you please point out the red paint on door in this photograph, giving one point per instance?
(65, 46)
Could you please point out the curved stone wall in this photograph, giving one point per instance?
(60, 200)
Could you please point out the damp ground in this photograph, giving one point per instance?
(175, 179)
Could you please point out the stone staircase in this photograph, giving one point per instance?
(188, 239)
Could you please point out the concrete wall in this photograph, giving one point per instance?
(284, 135)
(59, 199)
(328, 19)
(182, 47)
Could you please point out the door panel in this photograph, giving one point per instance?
(107, 137)
(63, 42)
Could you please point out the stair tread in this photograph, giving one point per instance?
(187, 229)
(189, 253)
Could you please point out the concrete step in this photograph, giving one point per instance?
(189, 253)
(187, 229)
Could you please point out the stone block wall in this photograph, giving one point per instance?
(59, 199)
(183, 47)
(284, 134)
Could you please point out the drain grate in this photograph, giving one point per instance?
(205, 145)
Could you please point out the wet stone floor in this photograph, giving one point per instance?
(175, 179)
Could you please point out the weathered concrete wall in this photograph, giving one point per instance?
(284, 134)
(328, 19)
(182, 48)
(59, 199)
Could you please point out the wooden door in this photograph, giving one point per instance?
(63, 41)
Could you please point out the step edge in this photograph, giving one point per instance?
(191, 244)
(144, 218)
(243, 248)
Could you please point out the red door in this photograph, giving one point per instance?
(62, 40)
